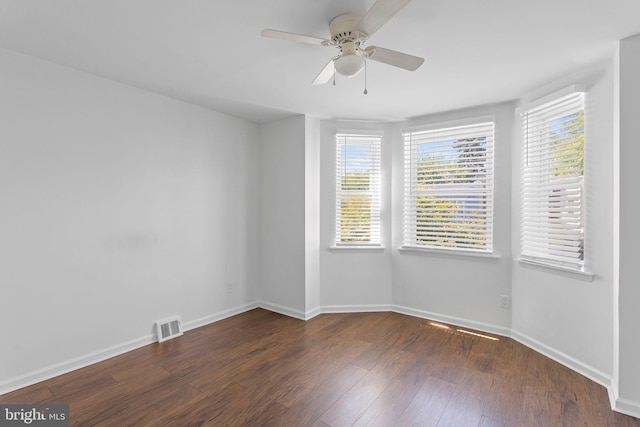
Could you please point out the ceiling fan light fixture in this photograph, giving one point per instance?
(349, 65)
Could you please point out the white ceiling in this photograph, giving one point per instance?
(210, 52)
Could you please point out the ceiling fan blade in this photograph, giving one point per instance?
(395, 58)
(325, 75)
(275, 34)
(379, 14)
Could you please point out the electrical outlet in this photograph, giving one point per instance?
(230, 287)
(505, 301)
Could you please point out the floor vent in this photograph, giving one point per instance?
(168, 328)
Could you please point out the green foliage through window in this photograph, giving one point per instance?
(449, 188)
(552, 227)
(357, 189)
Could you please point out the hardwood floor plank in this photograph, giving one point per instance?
(267, 416)
(513, 358)
(80, 383)
(304, 381)
(347, 410)
(144, 374)
(388, 407)
(542, 407)
(234, 404)
(342, 380)
(35, 393)
(433, 340)
(355, 325)
(262, 368)
(389, 367)
(419, 372)
(450, 368)
(248, 319)
(394, 364)
(271, 355)
(428, 405)
(311, 405)
(201, 408)
(505, 401)
(387, 328)
(466, 406)
(124, 410)
(484, 355)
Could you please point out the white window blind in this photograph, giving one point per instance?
(358, 189)
(552, 226)
(448, 200)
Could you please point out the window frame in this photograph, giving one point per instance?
(354, 138)
(409, 227)
(532, 199)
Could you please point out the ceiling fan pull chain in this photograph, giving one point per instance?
(365, 78)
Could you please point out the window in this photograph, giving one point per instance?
(552, 226)
(448, 200)
(357, 189)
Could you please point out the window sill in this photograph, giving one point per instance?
(357, 248)
(425, 251)
(585, 275)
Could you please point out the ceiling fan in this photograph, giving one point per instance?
(349, 32)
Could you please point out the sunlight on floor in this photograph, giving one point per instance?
(449, 328)
(477, 335)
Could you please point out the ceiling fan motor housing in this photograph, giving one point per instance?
(342, 29)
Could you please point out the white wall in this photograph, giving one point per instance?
(563, 314)
(627, 372)
(461, 289)
(118, 207)
(352, 279)
(282, 216)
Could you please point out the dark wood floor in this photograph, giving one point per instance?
(363, 369)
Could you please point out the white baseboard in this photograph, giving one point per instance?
(355, 308)
(624, 406)
(564, 359)
(43, 374)
(457, 321)
(276, 308)
(313, 313)
(612, 391)
(193, 324)
(627, 407)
